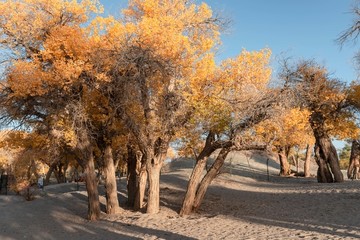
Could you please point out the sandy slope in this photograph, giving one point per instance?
(241, 204)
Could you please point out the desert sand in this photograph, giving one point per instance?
(242, 203)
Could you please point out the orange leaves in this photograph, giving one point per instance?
(26, 78)
(248, 69)
(50, 45)
(29, 27)
(67, 51)
(289, 128)
(343, 126)
(174, 29)
(66, 43)
(65, 55)
(217, 93)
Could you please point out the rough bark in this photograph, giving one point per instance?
(92, 189)
(131, 175)
(187, 205)
(112, 202)
(196, 189)
(153, 169)
(329, 154)
(323, 173)
(325, 152)
(284, 163)
(85, 157)
(210, 175)
(353, 171)
(307, 160)
(141, 188)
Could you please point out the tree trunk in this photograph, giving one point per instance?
(325, 152)
(284, 164)
(112, 202)
(85, 158)
(92, 188)
(141, 188)
(328, 152)
(153, 203)
(353, 171)
(210, 146)
(187, 205)
(201, 159)
(131, 175)
(210, 175)
(307, 160)
(323, 172)
(48, 174)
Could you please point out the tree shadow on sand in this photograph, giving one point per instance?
(295, 204)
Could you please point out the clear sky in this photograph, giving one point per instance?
(300, 29)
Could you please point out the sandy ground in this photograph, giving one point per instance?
(242, 203)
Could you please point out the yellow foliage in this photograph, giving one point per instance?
(343, 127)
(217, 93)
(26, 78)
(174, 29)
(34, 19)
(291, 128)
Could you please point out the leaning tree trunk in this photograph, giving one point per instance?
(210, 175)
(307, 160)
(112, 202)
(187, 205)
(48, 174)
(201, 159)
(284, 163)
(353, 171)
(92, 188)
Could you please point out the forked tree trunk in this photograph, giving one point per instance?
(112, 202)
(284, 163)
(329, 154)
(325, 152)
(187, 205)
(131, 175)
(92, 188)
(197, 173)
(188, 202)
(307, 160)
(323, 172)
(141, 188)
(353, 171)
(210, 175)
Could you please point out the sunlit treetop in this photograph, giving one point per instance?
(176, 29)
(25, 24)
(220, 93)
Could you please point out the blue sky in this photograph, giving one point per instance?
(300, 29)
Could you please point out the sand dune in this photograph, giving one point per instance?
(240, 204)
